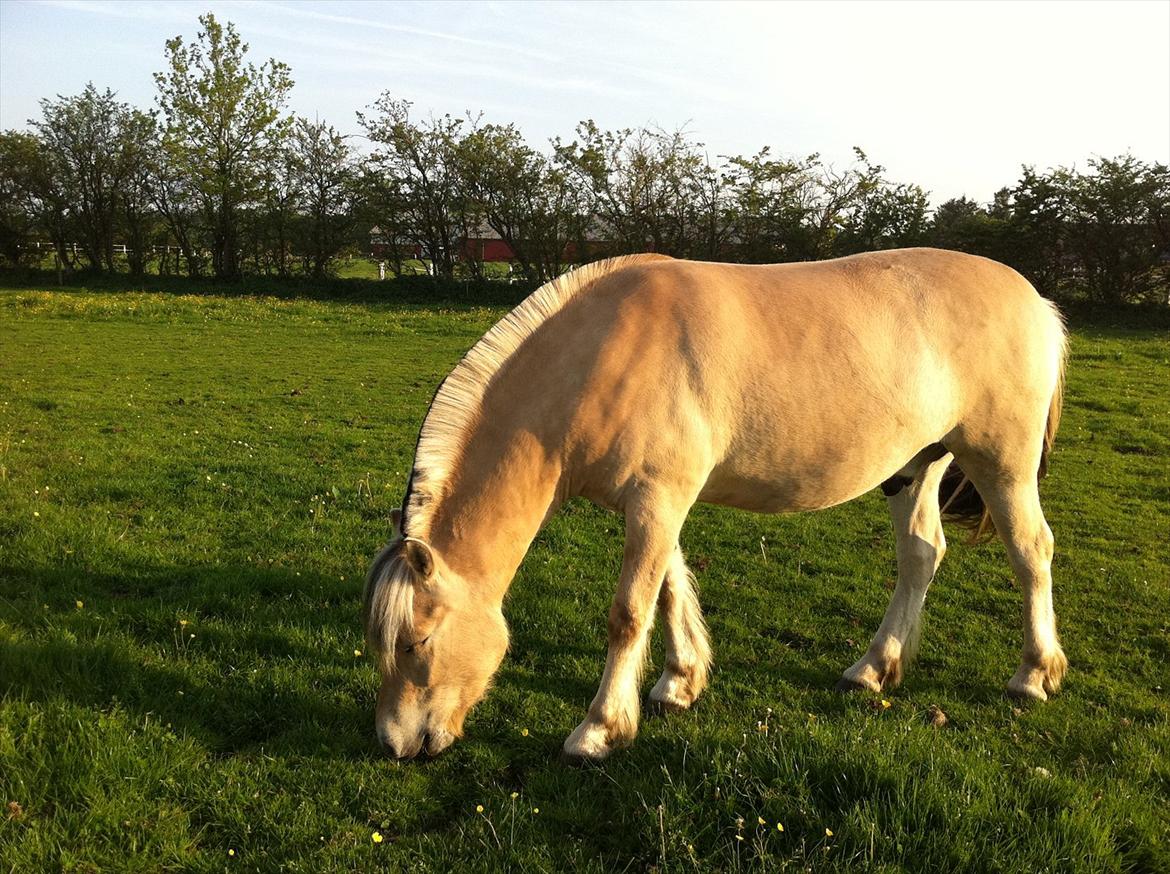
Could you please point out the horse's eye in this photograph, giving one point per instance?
(417, 643)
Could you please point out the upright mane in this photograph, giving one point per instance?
(460, 396)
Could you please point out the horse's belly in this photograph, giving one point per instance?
(748, 490)
(812, 471)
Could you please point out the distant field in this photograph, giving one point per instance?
(190, 490)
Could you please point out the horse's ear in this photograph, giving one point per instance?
(396, 521)
(418, 556)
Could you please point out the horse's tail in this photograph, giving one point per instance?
(961, 502)
(958, 498)
(1056, 405)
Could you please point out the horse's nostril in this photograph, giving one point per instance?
(389, 749)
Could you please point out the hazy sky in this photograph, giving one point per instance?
(954, 96)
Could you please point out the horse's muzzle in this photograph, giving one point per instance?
(429, 745)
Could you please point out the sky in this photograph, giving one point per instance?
(954, 96)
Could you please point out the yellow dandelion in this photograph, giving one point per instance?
(760, 820)
(376, 837)
(885, 704)
(523, 732)
(515, 795)
(828, 832)
(231, 852)
(739, 837)
(79, 604)
(183, 622)
(36, 514)
(479, 808)
(779, 826)
(357, 653)
(536, 810)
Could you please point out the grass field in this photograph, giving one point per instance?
(190, 490)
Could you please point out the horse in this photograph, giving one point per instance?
(645, 384)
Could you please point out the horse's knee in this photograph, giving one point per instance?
(623, 625)
(1045, 543)
(666, 597)
(1033, 547)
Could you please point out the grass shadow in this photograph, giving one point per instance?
(233, 677)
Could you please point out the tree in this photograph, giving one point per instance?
(94, 146)
(419, 169)
(137, 144)
(532, 204)
(649, 190)
(1118, 225)
(1039, 219)
(223, 127)
(882, 214)
(324, 177)
(33, 198)
(777, 211)
(177, 200)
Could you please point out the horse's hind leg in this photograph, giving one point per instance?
(688, 650)
(1014, 502)
(920, 547)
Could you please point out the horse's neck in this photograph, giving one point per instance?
(493, 508)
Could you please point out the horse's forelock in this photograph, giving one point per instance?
(388, 602)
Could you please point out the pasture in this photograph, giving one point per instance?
(191, 489)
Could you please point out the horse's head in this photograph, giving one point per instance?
(437, 645)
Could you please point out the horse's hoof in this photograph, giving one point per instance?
(1022, 690)
(845, 685)
(578, 760)
(589, 742)
(1036, 680)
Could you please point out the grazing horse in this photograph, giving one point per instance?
(646, 384)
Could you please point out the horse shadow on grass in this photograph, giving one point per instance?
(248, 668)
(272, 662)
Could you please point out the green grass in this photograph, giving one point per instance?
(190, 490)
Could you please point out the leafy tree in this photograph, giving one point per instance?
(649, 190)
(777, 209)
(137, 219)
(418, 166)
(94, 145)
(529, 202)
(19, 156)
(965, 225)
(175, 198)
(224, 124)
(324, 177)
(33, 199)
(881, 214)
(1118, 225)
(1041, 210)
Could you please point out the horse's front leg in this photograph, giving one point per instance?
(920, 544)
(652, 529)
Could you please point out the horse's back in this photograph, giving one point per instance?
(802, 385)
